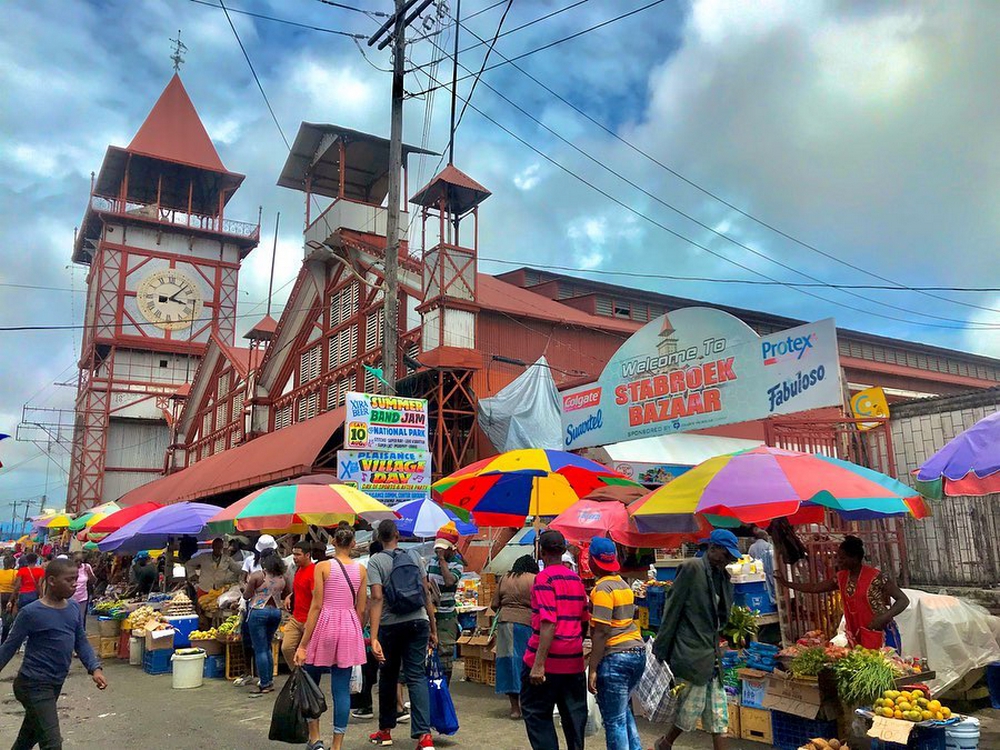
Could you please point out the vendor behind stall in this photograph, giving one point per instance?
(871, 600)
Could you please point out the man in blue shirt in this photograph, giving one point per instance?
(53, 630)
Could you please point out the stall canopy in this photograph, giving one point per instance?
(279, 455)
(657, 460)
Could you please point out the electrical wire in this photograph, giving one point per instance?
(285, 21)
(486, 59)
(342, 6)
(484, 10)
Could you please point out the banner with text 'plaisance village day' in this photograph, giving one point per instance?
(392, 477)
(698, 367)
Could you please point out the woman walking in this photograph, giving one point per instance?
(264, 593)
(513, 601)
(333, 641)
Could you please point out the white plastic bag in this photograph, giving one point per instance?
(653, 697)
(356, 679)
(595, 723)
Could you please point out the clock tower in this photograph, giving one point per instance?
(164, 261)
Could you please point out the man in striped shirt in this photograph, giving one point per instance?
(444, 572)
(553, 672)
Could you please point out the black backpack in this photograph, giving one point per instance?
(404, 591)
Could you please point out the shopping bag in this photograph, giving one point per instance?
(287, 722)
(654, 699)
(357, 679)
(308, 697)
(443, 717)
(595, 722)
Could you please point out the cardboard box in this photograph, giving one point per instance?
(796, 697)
(484, 645)
(753, 687)
(755, 725)
(160, 640)
(484, 619)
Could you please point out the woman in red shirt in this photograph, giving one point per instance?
(26, 585)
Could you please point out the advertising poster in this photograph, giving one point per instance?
(386, 422)
(698, 367)
(649, 473)
(391, 477)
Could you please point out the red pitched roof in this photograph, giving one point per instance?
(244, 359)
(495, 294)
(466, 193)
(263, 329)
(174, 132)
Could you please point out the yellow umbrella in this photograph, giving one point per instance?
(58, 521)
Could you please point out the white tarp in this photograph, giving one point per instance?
(954, 635)
(525, 414)
(681, 449)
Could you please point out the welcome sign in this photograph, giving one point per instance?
(699, 367)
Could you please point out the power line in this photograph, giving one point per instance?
(484, 10)
(697, 221)
(285, 21)
(482, 67)
(342, 6)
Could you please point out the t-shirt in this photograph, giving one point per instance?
(30, 578)
(302, 591)
(84, 574)
(559, 597)
(7, 581)
(447, 606)
(379, 572)
(515, 598)
(614, 606)
(145, 577)
(52, 635)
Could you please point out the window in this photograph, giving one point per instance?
(308, 406)
(336, 393)
(343, 346)
(221, 415)
(309, 362)
(344, 304)
(238, 405)
(223, 388)
(283, 417)
(604, 306)
(163, 363)
(206, 425)
(373, 330)
(622, 310)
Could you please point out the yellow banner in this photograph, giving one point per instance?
(870, 402)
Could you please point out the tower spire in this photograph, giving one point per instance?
(179, 49)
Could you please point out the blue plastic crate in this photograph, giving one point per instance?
(215, 667)
(656, 600)
(993, 682)
(158, 661)
(754, 596)
(791, 732)
(921, 738)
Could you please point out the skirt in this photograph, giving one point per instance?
(512, 642)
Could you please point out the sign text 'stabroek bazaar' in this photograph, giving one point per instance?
(387, 422)
(699, 367)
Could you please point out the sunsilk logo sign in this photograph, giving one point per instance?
(794, 347)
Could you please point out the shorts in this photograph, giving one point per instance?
(705, 702)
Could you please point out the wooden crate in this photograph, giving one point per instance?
(755, 725)
(236, 663)
(108, 648)
(487, 588)
(475, 671)
(490, 672)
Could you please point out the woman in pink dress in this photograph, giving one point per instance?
(333, 641)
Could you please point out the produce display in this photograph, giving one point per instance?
(863, 675)
(204, 635)
(913, 705)
(116, 608)
(229, 630)
(209, 602)
(140, 617)
(180, 605)
(821, 744)
(742, 626)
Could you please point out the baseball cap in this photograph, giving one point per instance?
(144, 555)
(446, 537)
(724, 538)
(604, 554)
(552, 541)
(266, 542)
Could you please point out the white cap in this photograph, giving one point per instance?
(266, 542)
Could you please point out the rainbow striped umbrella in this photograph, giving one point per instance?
(761, 484)
(506, 489)
(290, 508)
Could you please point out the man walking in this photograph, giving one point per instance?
(618, 657)
(403, 626)
(553, 673)
(444, 572)
(697, 608)
(299, 601)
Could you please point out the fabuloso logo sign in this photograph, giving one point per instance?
(782, 393)
(794, 347)
(582, 400)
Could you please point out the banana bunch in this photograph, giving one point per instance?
(204, 635)
(229, 628)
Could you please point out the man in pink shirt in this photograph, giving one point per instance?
(84, 585)
(554, 671)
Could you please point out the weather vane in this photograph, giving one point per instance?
(179, 49)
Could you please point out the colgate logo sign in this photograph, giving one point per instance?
(795, 347)
(582, 399)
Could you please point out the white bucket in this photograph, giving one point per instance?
(188, 668)
(964, 735)
(136, 650)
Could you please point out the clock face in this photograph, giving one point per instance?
(169, 299)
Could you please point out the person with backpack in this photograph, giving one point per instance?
(403, 628)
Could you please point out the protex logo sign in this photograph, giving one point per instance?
(582, 399)
(793, 347)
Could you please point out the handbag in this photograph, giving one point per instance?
(444, 719)
(654, 697)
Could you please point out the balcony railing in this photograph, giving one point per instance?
(347, 214)
(151, 213)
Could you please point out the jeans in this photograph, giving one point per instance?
(617, 676)
(23, 600)
(41, 722)
(263, 624)
(340, 688)
(569, 692)
(404, 646)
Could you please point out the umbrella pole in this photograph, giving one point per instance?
(538, 521)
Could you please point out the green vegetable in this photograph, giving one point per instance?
(863, 675)
(810, 662)
(742, 627)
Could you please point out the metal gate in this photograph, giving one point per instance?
(885, 544)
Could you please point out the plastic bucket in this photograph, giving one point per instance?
(136, 650)
(963, 736)
(188, 668)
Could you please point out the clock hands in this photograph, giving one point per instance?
(173, 297)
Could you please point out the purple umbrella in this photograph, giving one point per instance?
(968, 465)
(154, 529)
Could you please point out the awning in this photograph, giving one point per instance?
(279, 455)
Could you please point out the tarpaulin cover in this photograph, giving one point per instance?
(525, 414)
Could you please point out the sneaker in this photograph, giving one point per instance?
(381, 738)
(426, 743)
(363, 714)
(402, 717)
(317, 745)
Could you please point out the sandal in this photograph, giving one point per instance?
(261, 691)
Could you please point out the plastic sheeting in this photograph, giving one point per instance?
(526, 413)
(954, 635)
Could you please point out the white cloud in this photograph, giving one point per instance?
(528, 177)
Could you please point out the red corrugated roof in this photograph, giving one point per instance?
(174, 132)
(278, 455)
(495, 294)
(244, 359)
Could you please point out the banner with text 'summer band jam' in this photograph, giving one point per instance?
(385, 422)
(699, 367)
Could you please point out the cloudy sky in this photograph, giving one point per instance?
(868, 131)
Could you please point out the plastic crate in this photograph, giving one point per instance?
(790, 732)
(921, 738)
(490, 673)
(157, 662)
(474, 669)
(656, 600)
(215, 667)
(236, 662)
(754, 596)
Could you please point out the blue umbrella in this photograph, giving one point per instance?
(154, 529)
(423, 518)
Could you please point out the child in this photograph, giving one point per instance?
(53, 630)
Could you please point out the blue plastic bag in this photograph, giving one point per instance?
(443, 717)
